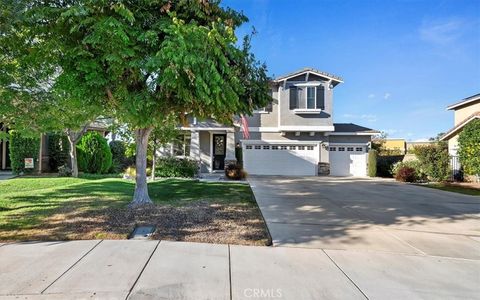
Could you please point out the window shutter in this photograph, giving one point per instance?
(320, 97)
(293, 98)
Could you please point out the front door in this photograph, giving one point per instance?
(219, 149)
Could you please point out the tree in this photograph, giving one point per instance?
(148, 59)
(36, 95)
(469, 147)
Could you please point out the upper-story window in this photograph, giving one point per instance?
(268, 108)
(307, 98)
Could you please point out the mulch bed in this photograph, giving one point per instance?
(200, 221)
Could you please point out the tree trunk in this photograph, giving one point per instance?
(154, 159)
(141, 197)
(73, 138)
(73, 155)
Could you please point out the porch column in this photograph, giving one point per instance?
(195, 146)
(230, 154)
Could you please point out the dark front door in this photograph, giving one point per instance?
(219, 149)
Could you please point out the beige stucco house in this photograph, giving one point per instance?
(465, 111)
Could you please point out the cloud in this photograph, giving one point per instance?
(442, 33)
(387, 96)
(365, 117)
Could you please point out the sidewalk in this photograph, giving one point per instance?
(177, 270)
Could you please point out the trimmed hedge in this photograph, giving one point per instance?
(21, 148)
(176, 167)
(58, 148)
(434, 161)
(93, 154)
(372, 163)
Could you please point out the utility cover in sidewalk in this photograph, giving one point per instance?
(142, 232)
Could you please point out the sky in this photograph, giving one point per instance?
(402, 62)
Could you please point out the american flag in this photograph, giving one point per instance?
(246, 133)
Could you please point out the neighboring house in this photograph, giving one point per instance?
(411, 145)
(294, 135)
(98, 126)
(395, 145)
(465, 111)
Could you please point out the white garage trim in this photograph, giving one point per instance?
(348, 163)
(295, 158)
(248, 142)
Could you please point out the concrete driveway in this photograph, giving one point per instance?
(366, 214)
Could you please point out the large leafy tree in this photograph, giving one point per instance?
(36, 96)
(147, 59)
(469, 147)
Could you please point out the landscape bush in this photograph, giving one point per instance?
(64, 171)
(58, 148)
(434, 161)
(414, 164)
(21, 148)
(234, 171)
(372, 163)
(94, 154)
(176, 167)
(406, 174)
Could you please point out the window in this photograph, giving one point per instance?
(309, 147)
(301, 147)
(359, 149)
(268, 108)
(258, 147)
(333, 149)
(311, 97)
(341, 148)
(274, 147)
(283, 147)
(349, 148)
(248, 147)
(181, 144)
(307, 97)
(292, 148)
(266, 147)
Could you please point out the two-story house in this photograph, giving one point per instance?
(465, 111)
(294, 135)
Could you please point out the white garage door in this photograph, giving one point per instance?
(280, 159)
(348, 160)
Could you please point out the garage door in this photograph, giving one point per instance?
(278, 159)
(348, 160)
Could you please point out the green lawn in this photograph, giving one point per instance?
(454, 188)
(44, 208)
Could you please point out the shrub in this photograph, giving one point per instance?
(58, 148)
(414, 164)
(372, 163)
(21, 148)
(385, 164)
(119, 159)
(239, 154)
(176, 167)
(94, 155)
(64, 171)
(406, 174)
(235, 172)
(469, 148)
(434, 161)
